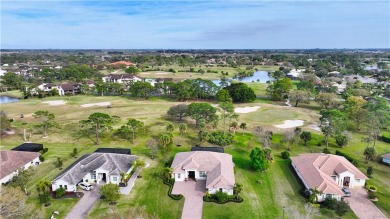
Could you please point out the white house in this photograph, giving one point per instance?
(386, 158)
(12, 161)
(94, 168)
(327, 173)
(121, 78)
(215, 168)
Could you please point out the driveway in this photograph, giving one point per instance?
(81, 209)
(362, 206)
(193, 193)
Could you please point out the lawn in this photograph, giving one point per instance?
(265, 194)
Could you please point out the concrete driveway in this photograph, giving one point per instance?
(193, 193)
(81, 209)
(362, 206)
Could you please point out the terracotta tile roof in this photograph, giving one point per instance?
(387, 156)
(316, 170)
(11, 161)
(218, 167)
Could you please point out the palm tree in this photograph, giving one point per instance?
(314, 195)
(182, 129)
(170, 128)
(167, 173)
(234, 125)
(165, 141)
(243, 126)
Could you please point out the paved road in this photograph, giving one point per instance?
(193, 193)
(362, 206)
(81, 209)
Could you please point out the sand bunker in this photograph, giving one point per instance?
(247, 109)
(161, 73)
(290, 124)
(96, 104)
(144, 73)
(315, 127)
(55, 102)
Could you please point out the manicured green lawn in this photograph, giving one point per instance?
(278, 186)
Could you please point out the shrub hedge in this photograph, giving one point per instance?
(230, 198)
(385, 138)
(170, 184)
(349, 158)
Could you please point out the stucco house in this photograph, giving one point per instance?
(386, 158)
(12, 161)
(95, 168)
(216, 168)
(327, 173)
(121, 78)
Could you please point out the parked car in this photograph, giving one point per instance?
(85, 186)
(346, 192)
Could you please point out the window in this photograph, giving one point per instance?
(93, 175)
(60, 186)
(114, 178)
(66, 187)
(202, 173)
(328, 195)
(357, 180)
(178, 175)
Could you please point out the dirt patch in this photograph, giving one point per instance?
(247, 109)
(96, 104)
(290, 124)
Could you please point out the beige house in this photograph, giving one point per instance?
(327, 173)
(215, 168)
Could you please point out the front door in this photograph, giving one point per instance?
(191, 174)
(346, 181)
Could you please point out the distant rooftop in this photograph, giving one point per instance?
(113, 150)
(212, 149)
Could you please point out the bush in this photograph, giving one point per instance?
(349, 158)
(371, 195)
(60, 192)
(372, 188)
(285, 155)
(341, 208)
(370, 171)
(326, 151)
(221, 197)
(221, 139)
(44, 198)
(44, 150)
(385, 138)
(41, 158)
(330, 203)
(172, 70)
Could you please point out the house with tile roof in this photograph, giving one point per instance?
(213, 167)
(95, 168)
(327, 173)
(12, 161)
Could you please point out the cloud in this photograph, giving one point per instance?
(193, 24)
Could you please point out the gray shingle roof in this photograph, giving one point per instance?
(113, 163)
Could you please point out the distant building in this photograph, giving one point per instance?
(121, 78)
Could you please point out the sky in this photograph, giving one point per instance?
(218, 24)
